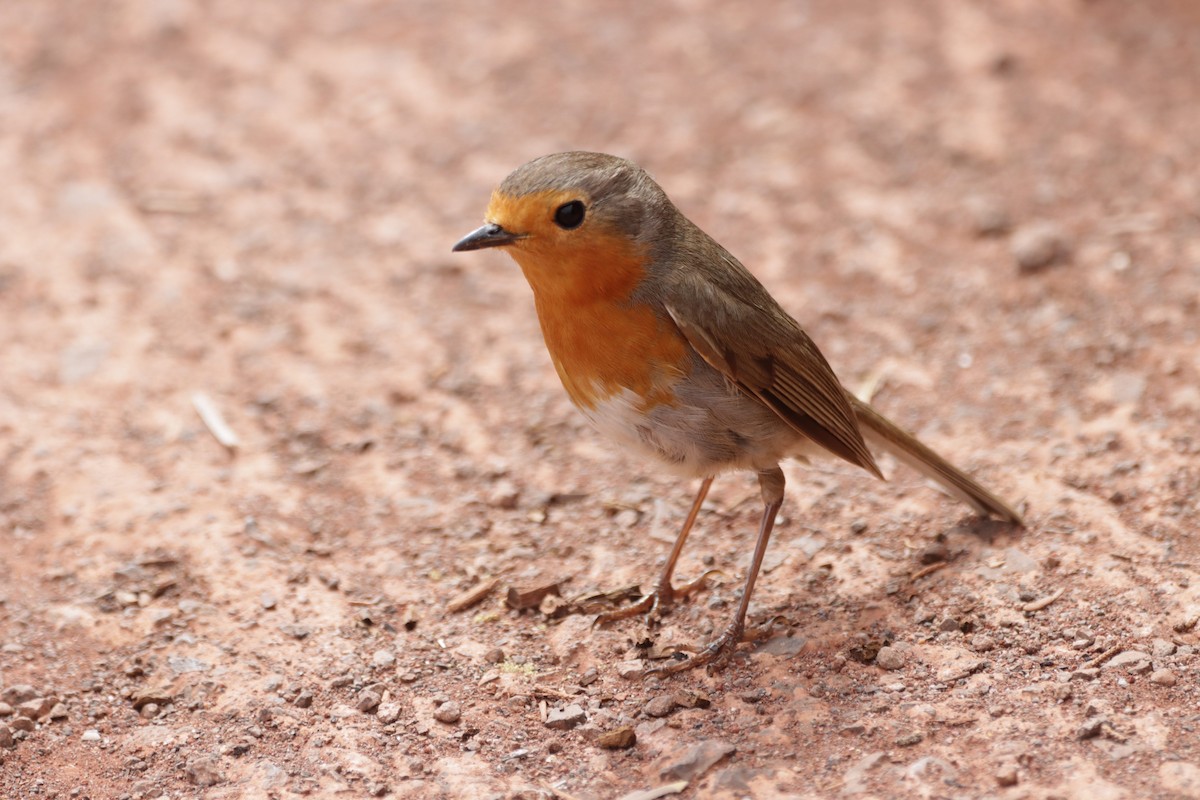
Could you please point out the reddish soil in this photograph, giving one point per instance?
(256, 201)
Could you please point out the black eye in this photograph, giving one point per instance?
(569, 215)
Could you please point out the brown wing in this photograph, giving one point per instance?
(739, 329)
(887, 435)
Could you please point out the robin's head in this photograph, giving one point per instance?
(575, 220)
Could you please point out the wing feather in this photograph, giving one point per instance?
(735, 326)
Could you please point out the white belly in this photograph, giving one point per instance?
(711, 428)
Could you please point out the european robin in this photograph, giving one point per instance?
(669, 345)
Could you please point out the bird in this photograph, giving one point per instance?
(670, 346)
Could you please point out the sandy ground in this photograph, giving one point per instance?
(255, 202)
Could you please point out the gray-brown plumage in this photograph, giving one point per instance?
(668, 344)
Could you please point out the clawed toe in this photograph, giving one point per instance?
(712, 656)
(661, 598)
(644, 606)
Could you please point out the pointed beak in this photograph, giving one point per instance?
(490, 235)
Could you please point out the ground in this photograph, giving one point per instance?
(986, 214)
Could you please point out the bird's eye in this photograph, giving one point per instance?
(569, 215)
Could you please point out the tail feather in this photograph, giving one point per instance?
(879, 432)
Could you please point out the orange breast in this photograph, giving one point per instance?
(603, 349)
(600, 342)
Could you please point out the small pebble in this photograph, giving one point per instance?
(982, 643)
(448, 712)
(1007, 775)
(1184, 624)
(388, 712)
(1092, 727)
(690, 698)
(1159, 648)
(619, 739)
(295, 631)
(630, 669)
(1163, 677)
(31, 708)
(695, 760)
(1133, 661)
(909, 739)
(18, 693)
(368, 700)
(23, 724)
(91, 735)
(627, 517)
(935, 553)
(1038, 245)
(988, 216)
(204, 772)
(660, 706)
(564, 719)
(6, 737)
(889, 658)
(504, 495)
(383, 659)
(924, 614)
(959, 670)
(753, 695)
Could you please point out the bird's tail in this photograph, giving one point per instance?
(879, 432)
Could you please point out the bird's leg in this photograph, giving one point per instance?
(771, 482)
(664, 594)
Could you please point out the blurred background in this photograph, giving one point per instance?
(986, 214)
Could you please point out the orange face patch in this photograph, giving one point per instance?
(582, 280)
(582, 265)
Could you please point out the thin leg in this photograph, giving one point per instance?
(771, 482)
(665, 594)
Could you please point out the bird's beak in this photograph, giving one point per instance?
(490, 235)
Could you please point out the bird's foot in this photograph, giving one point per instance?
(661, 598)
(712, 656)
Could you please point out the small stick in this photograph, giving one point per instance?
(1105, 656)
(656, 792)
(1038, 605)
(472, 596)
(213, 420)
(559, 793)
(929, 570)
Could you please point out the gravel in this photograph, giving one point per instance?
(448, 712)
(1039, 245)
